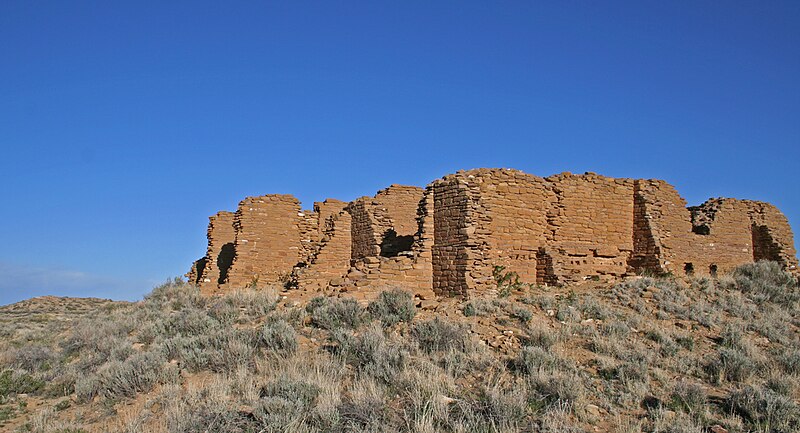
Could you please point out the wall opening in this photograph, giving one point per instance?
(713, 270)
(688, 268)
(224, 261)
(392, 244)
(199, 268)
(764, 247)
(701, 230)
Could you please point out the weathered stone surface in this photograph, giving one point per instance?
(269, 239)
(447, 239)
(219, 256)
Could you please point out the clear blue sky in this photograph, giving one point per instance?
(123, 125)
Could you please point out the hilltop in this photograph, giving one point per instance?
(665, 354)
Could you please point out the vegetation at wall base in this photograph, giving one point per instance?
(648, 354)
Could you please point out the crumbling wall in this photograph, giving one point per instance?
(219, 257)
(772, 235)
(193, 276)
(268, 239)
(712, 238)
(563, 228)
(385, 225)
(332, 261)
(661, 222)
(365, 241)
(447, 239)
(308, 227)
(325, 210)
(720, 240)
(211, 270)
(385, 233)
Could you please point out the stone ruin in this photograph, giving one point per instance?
(447, 239)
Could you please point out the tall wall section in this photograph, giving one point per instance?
(591, 223)
(385, 225)
(268, 239)
(386, 248)
(219, 257)
(772, 235)
(332, 260)
(451, 220)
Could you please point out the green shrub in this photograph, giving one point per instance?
(548, 388)
(479, 307)
(115, 379)
(251, 303)
(175, 294)
(615, 328)
(541, 336)
(393, 307)
(371, 353)
(438, 335)
(284, 403)
(189, 321)
(279, 336)
(18, 382)
(688, 397)
(504, 407)
(593, 309)
(507, 282)
(333, 313)
(532, 359)
(627, 372)
(222, 349)
(568, 314)
(767, 281)
(97, 337)
(732, 365)
(781, 384)
(524, 315)
(685, 341)
(765, 409)
(732, 338)
(31, 358)
(363, 408)
(790, 361)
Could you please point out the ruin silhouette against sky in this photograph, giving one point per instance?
(124, 126)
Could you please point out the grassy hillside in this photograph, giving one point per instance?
(644, 355)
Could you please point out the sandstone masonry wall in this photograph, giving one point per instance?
(591, 224)
(385, 225)
(221, 240)
(332, 261)
(446, 240)
(772, 235)
(450, 224)
(386, 230)
(268, 239)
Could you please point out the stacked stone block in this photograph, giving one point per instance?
(208, 272)
(385, 224)
(268, 239)
(332, 261)
(325, 210)
(772, 235)
(592, 226)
